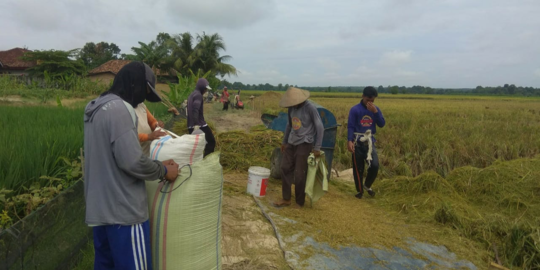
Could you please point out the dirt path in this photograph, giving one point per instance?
(232, 119)
(15, 100)
(248, 238)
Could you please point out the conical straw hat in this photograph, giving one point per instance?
(293, 97)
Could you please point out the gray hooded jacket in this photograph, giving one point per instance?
(114, 166)
(195, 107)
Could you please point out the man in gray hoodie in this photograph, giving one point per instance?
(195, 117)
(115, 171)
(303, 135)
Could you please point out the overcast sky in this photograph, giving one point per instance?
(438, 43)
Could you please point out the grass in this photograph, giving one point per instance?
(159, 111)
(442, 134)
(33, 140)
(44, 90)
(247, 93)
(87, 257)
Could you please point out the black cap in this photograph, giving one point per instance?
(153, 96)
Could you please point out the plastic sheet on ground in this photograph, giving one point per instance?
(303, 252)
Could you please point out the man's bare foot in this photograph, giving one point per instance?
(282, 203)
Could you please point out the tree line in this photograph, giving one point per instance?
(505, 90)
(182, 53)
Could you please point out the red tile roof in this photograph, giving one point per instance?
(10, 59)
(113, 66)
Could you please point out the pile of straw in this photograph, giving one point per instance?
(241, 150)
(498, 206)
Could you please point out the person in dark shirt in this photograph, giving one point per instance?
(195, 118)
(362, 126)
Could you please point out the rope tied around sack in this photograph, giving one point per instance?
(365, 137)
(190, 173)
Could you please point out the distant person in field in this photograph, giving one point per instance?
(195, 115)
(225, 99)
(115, 170)
(363, 119)
(237, 102)
(147, 127)
(303, 135)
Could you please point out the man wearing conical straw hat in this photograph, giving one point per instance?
(304, 134)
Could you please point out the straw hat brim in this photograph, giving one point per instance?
(292, 97)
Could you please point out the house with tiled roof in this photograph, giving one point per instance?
(106, 72)
(11, 64)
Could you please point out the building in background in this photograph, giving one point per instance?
(106, 72)
(11, 64)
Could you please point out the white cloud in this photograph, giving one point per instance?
(329, 64)
(244, 72)
(407, 73)
(39, 15)
(262, 75)
(456, 43)
(232, 14)
(395, 58)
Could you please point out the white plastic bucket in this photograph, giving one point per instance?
(257, 181)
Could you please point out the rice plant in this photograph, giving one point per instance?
(33, 141)
(444, 134)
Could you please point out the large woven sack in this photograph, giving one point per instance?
(316, 180)
(185, 223)
(183, 150)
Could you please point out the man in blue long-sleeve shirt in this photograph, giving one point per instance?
(363, 119)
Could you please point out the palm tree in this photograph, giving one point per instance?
(178, 53)
(205, 56)
(181, 47)
(151, 54)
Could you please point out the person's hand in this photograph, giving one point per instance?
(371, 107)
(160, 124)
(172, 172)
(156, 135)
(350, 147)
(283, 146)
(169, 162)
(173, 110)
(316, 153)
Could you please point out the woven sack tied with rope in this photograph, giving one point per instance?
(185, 216)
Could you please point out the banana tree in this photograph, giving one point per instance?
(179, 92)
